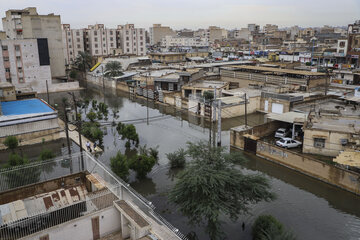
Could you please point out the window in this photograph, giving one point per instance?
(7, 69)
(127, 38)
(78, 46)
(95, 33)
(69, 46)
(96, 45)
(111, 45)
(127, 44)
(111, 38)
(127, 32)
(77, 33)
(18, 58)
(17, 48)
(141, 38)
(69, 39)
(111, 32)
(96, 51)
(141, 43)
(104, 39)
(140, 31)
(128, 50)
(104, 45)
(141, 49)
(21, 80)
(6, 59)
(70, 52)
(95, 39)
(342, 44)
(134, 44)
(134, 49)
(69, 33)
(19, 69)
(319, 142)
(78, 39)
(4, 47)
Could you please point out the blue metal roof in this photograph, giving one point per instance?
(28, 106)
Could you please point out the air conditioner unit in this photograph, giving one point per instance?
(343, 142)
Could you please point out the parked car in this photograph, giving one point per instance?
(288, 143)
(282, 132)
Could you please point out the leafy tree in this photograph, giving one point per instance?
(94, 104)
(113, 69)
(16, 160)
(142, 164)
(211, 186)
(266, 227)
(73, 74)
(11, 142)
(92, 131)
(154, 152)
(83, 62)
(128, 131)
(91, 116)
(120, 166)
(208, 95)
(177, 159)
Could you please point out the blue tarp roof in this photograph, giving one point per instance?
(28, 106)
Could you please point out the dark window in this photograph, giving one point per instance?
(7, 69)
(4, 47)
(77, 33)
(319, 142)
(43, 50)
(17, 48)
(6, 59)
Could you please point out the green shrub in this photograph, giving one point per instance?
(46, 154)
(264, 225)
(142, 164)
(120, 166)
(177, 159)
(91, 116)
(11, 142)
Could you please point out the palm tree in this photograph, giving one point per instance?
(113, 69)
(83, 62)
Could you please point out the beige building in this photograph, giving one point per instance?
(171, 41)
(158, 32)
(270, 28)
(73, 40)
(99, 40)
(133, 40)
(28, 24)
(168, 57)
(216, 33)
(25, 63)
(243, 33)
(7, 92)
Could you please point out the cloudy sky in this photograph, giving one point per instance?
(195, 13)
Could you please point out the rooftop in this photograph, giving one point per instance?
(278, 70)
(206, 84)
(28, 106)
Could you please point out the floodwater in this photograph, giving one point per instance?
(308, 207)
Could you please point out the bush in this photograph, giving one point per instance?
(46, 154)
(209, 95)
(154, 152)
(142, 164)
(73, 74)
(91, 116)
(119, 165)
(11, 142)
(177, 159)
(265, 226)
(92, 131)
(16, 160)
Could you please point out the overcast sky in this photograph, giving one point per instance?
(195, 13)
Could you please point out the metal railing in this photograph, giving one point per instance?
(36, 172)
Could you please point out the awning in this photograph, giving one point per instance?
(289, 117)
(348, 158)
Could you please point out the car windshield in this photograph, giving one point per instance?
(280, 131)
(282, 140)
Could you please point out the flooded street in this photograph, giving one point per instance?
(310, 208)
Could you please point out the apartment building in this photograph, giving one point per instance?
(132, 40)
(99, 40)
(353, 48)
(270, 28)
(253, 28)
(243, 33)
(170, 41)
(28, 24)
(25, 63)
(158, 32)
(216, 33)
(73, 40)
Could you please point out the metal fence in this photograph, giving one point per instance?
(37, 172)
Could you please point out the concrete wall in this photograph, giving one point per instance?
(312, 167)
(239, 110)
(122, 86)
(286, 104)
(99, 81)
(332, 142)
(62, 87)
(81, 228)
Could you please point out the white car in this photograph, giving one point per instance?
(288, 143)
(282, 133)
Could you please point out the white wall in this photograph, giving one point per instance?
(81, 228)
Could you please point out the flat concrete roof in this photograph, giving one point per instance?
(289, 117)
(278, 70)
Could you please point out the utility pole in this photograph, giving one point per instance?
(102, 75)
(67, 130)
(219, 124)
(245, 111)
(213, 117)
(79, 122)
(47, 92)
(147, 99)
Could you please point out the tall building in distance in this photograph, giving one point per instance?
(99, 40)
(28, 24)
(73, 40)
(132, 40)
(158, 32)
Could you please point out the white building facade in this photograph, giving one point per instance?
(132, 40)
(73, 40)
(170, 41)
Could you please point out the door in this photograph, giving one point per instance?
(266, 106)
(250, 145)
(95, 227)
(277, 108)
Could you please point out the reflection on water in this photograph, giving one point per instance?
(312, 209)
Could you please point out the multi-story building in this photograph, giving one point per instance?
(216, 33)
(170, 41)
(253, 28)
(158, 32)
(353, 48)
(133, 40)
(99, 40)
(243, 33)
(270, 28)
(28, 24)
(73, 40)
(25, 63)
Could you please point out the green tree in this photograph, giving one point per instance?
(128, 131)
(83, 62)
(11, 143)
(113, 69)
(73, 74)
(46, 154)
(142, 164)
(211, 186)
(91, 116)
(120, 166)
(208, 95)
(177, 159)
(92, 131)
(266, 227)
